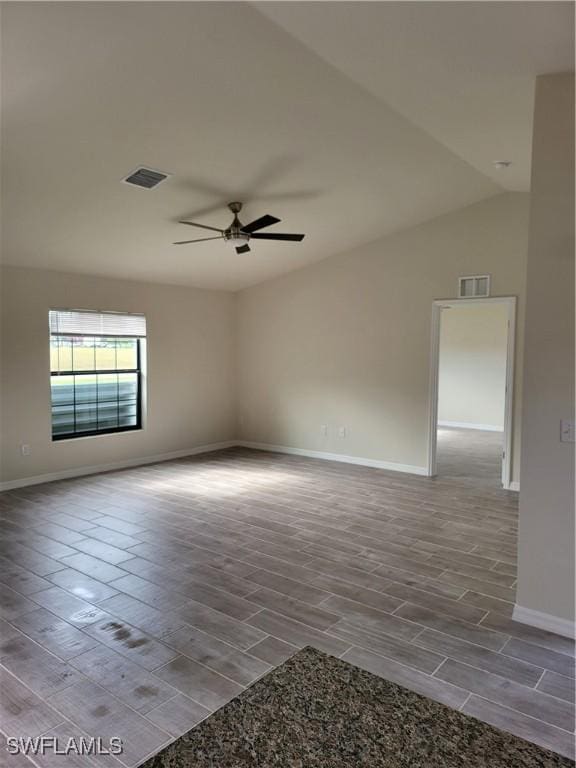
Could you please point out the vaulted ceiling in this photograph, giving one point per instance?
(346, 120)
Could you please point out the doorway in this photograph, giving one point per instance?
(471, 390)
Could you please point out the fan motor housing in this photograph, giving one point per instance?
(235, 233)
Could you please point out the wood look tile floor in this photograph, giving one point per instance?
(136, 603)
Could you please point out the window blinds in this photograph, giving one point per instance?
(80, 322)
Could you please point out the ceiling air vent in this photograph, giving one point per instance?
(145, 178)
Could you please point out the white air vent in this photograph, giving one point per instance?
(474, 286)
(145, 178)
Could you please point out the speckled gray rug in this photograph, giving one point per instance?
(316, 711)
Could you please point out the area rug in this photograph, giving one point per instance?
(316, 711)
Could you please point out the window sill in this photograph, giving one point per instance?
(75, 438)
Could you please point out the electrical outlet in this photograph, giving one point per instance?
(567, 431)
(341, 431)
(25, 449)
(324, 430)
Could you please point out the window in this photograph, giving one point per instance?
(96, 372)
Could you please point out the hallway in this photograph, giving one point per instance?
(470, 456)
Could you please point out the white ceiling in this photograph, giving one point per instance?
(462, 71)
(345, 120)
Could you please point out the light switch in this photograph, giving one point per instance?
(567, 431)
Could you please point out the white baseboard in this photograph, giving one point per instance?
(514, 486)
(96, 469)
(466, 425)
(376, 463)
(410, 469)
(558, 626)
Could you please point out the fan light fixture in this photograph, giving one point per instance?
(239, 234)
(237, 240)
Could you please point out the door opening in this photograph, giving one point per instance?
(472, 389)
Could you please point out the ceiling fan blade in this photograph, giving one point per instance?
(201, 240)
(276, 236)
(203, 226)
(263, 221)
(242, 249)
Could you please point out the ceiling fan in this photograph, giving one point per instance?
(239, 234)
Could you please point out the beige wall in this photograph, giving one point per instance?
(472, 370)
(189, 372)
(346, 342)
(546, 535)
(343, 343)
